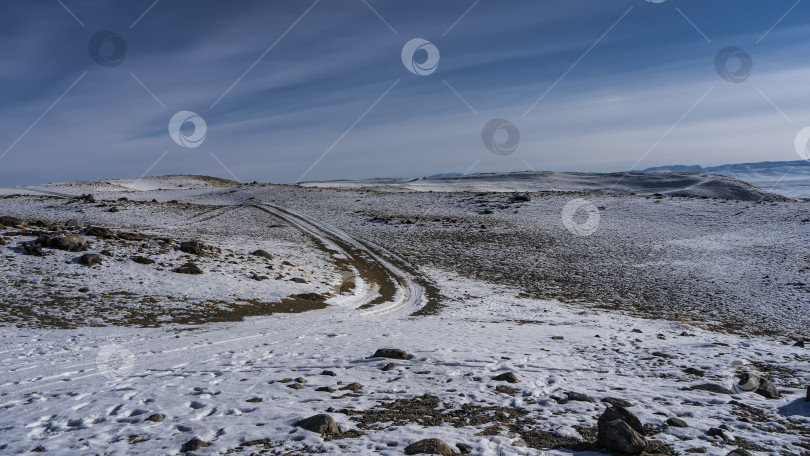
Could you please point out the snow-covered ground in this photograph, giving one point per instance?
(462, 281)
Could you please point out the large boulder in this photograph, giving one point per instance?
(621, 431)
(70, 242)
(319, 424)
(429, 446)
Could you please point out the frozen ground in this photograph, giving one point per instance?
(469, 284)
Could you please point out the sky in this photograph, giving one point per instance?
(296, 90)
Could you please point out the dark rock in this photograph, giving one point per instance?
(506, 377)
(193, 445)
(617, 434)
(298, 280)
(329, 373)
(507, 390)
(520, 198)
(661, 355)
(353, 387)
(90, 259)
(557, 338)
(99, 232)
(327, 389)
(739, 452)
(389, 367)
(192, 247)
(83, 290)
(189, 268)
(677, 422)
(87, 198)
(70, 242)
(142, 260)
(254, 400)
(617, 401)
(263, 254)
(579, 397)
(106, 253)
(155, 418)
(710, 387)
(39, 449)
(301, 380)
(31, 248)
(463, 448)
(429, 446)
(319, 424)
(693, 371)
(296, 386)
(716, 432)
(131, 237)
(799, 343)
(12, 221)
(311, 297)
(621, 413)
(113, 209)
(392, 353)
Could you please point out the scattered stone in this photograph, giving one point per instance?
(616, 433)
(301, 380)
(520, 198)
(557, 338)
(579, 397)
(693, 371)
(106, 253)
(319, 424)
(254, 400)
(155, 417)
(192, 247)
(263, 254)
(142, 260)
(429, 446)
(353, 387)
(73, 223)
(327, 389)
(296, 386)
(636, 330)
(70, 242)
(698, 450)
(83, 290)
(389, 367)
(87, 198)
(506, 390)
(193, 445)
(617, 401)
(311, 297)
(113, 209)
(90, 259)
(506, 377)
(99, 232)
(392, 353)
(677, 422)
(329, 373)
(39, 449)
(716, 432)
(661, 355)
(189, 268)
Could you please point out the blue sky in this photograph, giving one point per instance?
(624, 84)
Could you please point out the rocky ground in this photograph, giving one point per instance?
(374, 322)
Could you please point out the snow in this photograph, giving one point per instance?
(89, 389)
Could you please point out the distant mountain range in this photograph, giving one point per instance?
(789, 178)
